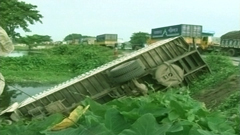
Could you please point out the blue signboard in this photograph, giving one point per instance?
(166, 32)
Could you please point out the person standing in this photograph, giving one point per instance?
(6, 47)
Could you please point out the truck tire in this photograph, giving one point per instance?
(231, 52)
(169, 75)
(125, 68)
(129, 75)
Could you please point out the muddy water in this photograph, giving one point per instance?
(17, 93)
(22, 53)
(17, 53)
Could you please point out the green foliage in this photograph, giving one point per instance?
(139, 38)
(221, 67)
(231, 102)
(157, 114)
(220, 62)
(73, 37)
(61, 62)
(231, 109)
(17, 14)
(34, 39)
(30, 128)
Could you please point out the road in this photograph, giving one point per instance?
(235, 60)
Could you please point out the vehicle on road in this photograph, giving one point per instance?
(109, 40)
(192, 34)
(230, 43)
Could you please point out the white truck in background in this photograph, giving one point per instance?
(230, 43)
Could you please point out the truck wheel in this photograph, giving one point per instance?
(125, 68)
(129, 75)
(169, 74)
(231, 52)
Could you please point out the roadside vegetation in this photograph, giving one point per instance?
(54, 65)
(159, 113)
(221, 67)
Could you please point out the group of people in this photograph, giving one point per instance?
(6, 46)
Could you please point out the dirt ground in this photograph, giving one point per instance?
(214, 96)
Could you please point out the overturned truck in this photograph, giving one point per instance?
(167, 63)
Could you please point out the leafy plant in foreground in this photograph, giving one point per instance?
(156, 114)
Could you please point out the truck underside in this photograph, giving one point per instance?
(163, 64)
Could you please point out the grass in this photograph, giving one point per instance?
(221, 67)
(43, 77)
(54, 65)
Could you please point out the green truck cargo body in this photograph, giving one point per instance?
(234, 43)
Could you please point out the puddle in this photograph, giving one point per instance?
(17, 93)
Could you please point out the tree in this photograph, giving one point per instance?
(16, 14)
(139, 38)
(34, 39)
(73, 37)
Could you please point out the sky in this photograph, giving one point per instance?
(125, 17)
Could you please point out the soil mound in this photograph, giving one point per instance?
(231, 35)
(212, 97)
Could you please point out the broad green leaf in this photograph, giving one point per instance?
(194, 131)
(124, 104)
(98, 109)
(176, 127)
(146, 125)
(185, 122)
(69, 131)
(219, 125)
(18, 130)
(155, 109)
(90, 118)
(184, 131)
(95, 129)
(35, 127)
(191, 117)
(115, 122)
(178, 108)
(173, 115)
(204, 132)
